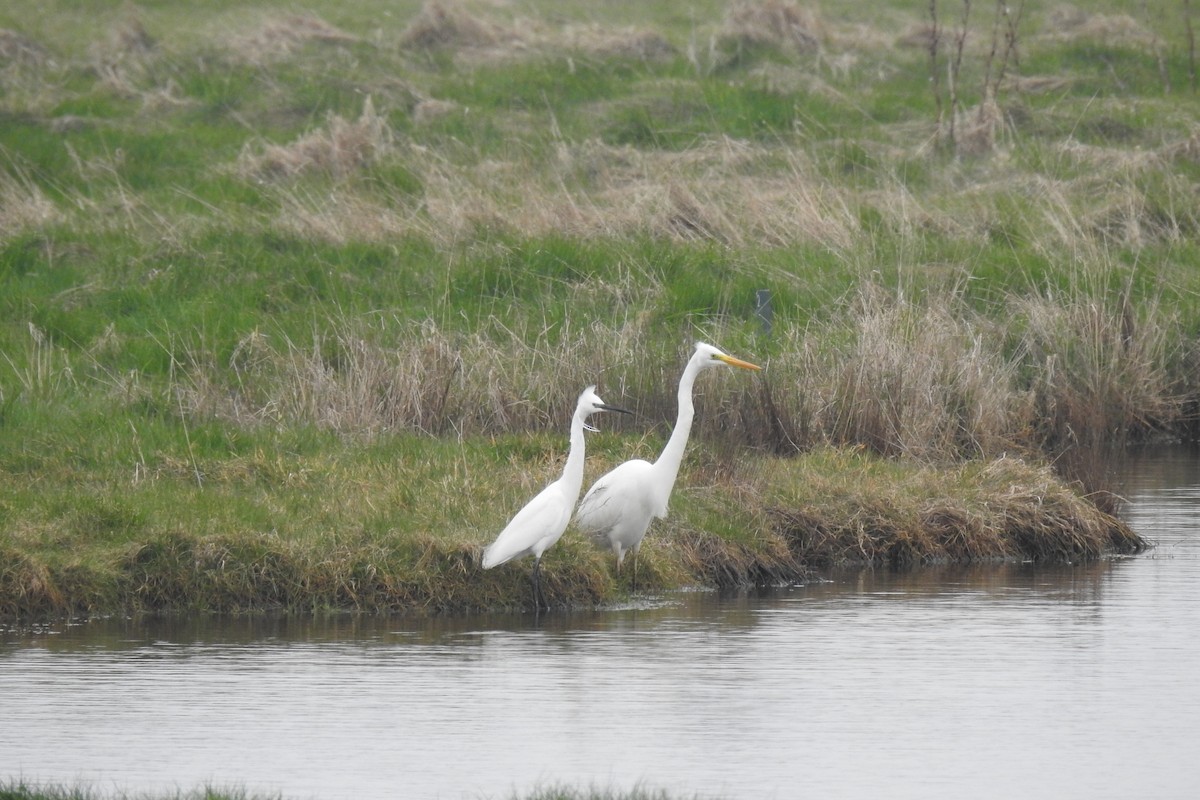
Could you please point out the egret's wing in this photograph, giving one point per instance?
(544, 516)
(624, 491)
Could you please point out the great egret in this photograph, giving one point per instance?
(619, 507)
(542, 521)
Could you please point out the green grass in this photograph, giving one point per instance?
(242, 307)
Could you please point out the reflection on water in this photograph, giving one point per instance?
(987, 681)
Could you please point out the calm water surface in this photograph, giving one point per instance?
(987, 682)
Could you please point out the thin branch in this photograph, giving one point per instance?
(955, 66)
(935, 35)
(1191, 43)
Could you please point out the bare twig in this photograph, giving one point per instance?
(934, 71)
(1191, 43)
(1156, 45)
(1011, 53)
(955, 67)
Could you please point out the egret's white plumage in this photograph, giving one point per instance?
(542, 521)
(619, 507)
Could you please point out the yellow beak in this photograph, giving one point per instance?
(737, 362)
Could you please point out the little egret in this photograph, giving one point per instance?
(542, 521)
(619, 507)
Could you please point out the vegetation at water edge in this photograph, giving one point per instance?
(294, 305)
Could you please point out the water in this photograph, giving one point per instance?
(986, 682)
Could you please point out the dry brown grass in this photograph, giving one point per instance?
(17, 49)
(280, 36)
(724, 564)
(929, 380)
(779, 23)
(23, 205)
(1012, 509)
(980, 130)
(933, 380)
(442, 24)
(625, 42)
(1071, 22)
(1101, 375)
(425, 380)
(723, 191)
(341, 148)
(343, 216)
(914, 380)
(1187, 149)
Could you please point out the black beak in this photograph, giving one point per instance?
(614, 408)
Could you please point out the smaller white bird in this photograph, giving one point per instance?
(542, 521)
(618, 509)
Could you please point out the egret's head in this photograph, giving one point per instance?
(590, 402)
(710, 356)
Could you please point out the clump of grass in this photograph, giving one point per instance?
(441, 25)
(932, 379)
(341, 148)
(44, 371)
(919, 381)
(1071, 22)
(777, 23)
(1100, 378)
(23, 204)
(18, 789)
(624, 43)
(935, 379)
(281, 36)
(984, 511)
(421, 383)
(20, 50)
(564, 792)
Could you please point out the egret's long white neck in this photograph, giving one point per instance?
(572, 477)
(672, 455)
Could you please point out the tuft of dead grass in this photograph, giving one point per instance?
(777, 23)
(341, 148)
(899, 378)
(1014, 510)
(342, 216)
(1101, 375)
(727, 565)
(442, 24)
(129, 35)
(280, 36)
(1068, 22)
(722, 191)
(19, 50)
(980, 129)
(23, 205)
(422, 383)
(629, 43)
(928, 380)
(1186, 149)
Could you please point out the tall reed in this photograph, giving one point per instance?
(933, 378)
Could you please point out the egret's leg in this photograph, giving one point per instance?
(537, 585)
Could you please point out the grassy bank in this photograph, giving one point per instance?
(399, 526)
(294, 305)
